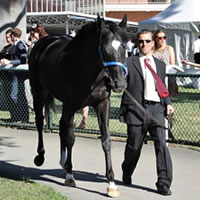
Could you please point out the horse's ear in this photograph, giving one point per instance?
(123, 23)
(100, 23)
(98, 17)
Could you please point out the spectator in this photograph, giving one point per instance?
(166, 53)
(36, 33)
(187, 62)
(197, 50)
(83, 123)
(7, 50)
(17, 101)
(5, 75)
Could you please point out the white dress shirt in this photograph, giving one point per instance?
(150, 92)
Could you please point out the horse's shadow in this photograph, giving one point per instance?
(17, 172)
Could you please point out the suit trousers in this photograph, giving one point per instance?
(18, 105)
(136, 136)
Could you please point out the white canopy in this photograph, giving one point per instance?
(181, 22)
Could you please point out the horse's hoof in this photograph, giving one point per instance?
(113, 192)
(39, 160)
(70, 183)
(69, 180)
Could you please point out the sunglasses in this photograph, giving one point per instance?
(142, 41)
(164, 38)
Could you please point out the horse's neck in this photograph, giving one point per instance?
(87, 50)
(99, 81)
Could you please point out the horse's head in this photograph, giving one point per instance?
(113, 52)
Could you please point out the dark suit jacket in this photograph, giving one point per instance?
(130, 113)
(19, 54)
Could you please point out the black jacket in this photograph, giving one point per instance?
(19, 54)
(129, 112)
(6, 52)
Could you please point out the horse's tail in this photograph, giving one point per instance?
(49, 104)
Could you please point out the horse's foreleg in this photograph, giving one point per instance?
(67, 141)
(103, 120)
(39, 159)
(112, 189)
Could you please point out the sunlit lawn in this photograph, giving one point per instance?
(13, 188)
(186, 118)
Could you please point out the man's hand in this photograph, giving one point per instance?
(4, 61)
(170, 109)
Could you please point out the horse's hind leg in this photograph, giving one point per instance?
(67, 139)
(38, 102)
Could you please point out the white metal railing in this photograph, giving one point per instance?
(82, 6)
(137, 2)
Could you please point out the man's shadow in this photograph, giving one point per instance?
(17, 172)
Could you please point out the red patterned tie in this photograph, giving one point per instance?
(160, 86)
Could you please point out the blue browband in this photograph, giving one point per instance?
(117, 63)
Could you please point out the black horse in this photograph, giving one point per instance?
(79, 72)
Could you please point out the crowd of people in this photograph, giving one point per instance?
(16, 53)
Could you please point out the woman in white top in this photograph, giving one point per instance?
(166, 53)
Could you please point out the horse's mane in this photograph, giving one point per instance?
(90, 29)
(118, 31)
(92, 26)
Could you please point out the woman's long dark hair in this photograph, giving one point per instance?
(39, 29)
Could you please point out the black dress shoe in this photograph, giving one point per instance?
(164, 190)
(126, 180)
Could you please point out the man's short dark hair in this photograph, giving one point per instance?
(144, 31)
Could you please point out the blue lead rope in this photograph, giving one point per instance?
(117, 63)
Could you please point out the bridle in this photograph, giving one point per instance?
(111, 63)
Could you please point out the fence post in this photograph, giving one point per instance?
(49, 119)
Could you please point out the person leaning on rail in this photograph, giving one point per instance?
(187, 62)
(18, 106)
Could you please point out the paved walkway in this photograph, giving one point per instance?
(18, 149)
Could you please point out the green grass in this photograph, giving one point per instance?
(13, 189)
(186, 117)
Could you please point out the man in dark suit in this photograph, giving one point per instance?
(141, 85)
